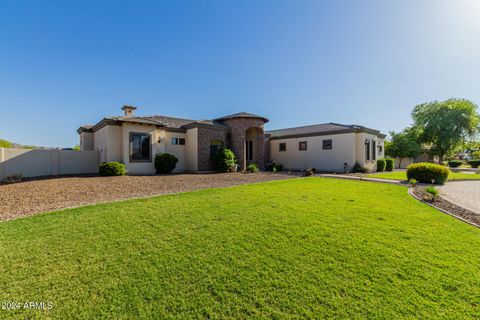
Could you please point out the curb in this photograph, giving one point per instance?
(334, 176)
(410, 192)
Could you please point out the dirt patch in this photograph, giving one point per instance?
(35, 196)
(450, 207)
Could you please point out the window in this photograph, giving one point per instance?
(178, 141)
(302, 145)
(380, 150)
(282, 146)
(327, 144)
(140, 147)
(374, 147)
(215, 145)
(367, 149)
(249, 149)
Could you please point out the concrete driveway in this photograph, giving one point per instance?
(465, 194)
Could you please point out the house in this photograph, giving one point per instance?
(134, 140)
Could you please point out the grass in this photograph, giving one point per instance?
(302, 248)
(402, 176)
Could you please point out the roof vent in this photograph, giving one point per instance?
(129, 110)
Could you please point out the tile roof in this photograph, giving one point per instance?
(241, 115)
(320, 129)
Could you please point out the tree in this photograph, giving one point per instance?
(5, 144)
(403, 145)
(443, 126)
(76, 148)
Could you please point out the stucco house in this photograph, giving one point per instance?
(134, 141)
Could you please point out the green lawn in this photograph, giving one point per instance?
(402, 175)
(302, 248)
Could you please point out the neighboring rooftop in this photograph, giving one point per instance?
(320, 129)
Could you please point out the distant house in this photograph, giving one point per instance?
(134, 140)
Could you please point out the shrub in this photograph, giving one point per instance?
(454, 163)
(272, 166)
(389, 164)
(358, 168)
(224, 159)
(165, 163)
(432, 192)
(381, 165)
(428, 172)
(309, 172)
(474, 163)
(412, 182)
(253, 168)
(112, 169)
(476, 154)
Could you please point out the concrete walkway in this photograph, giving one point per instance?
(465, 194)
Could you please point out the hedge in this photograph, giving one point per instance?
(428, 172)
(112, 169)
(381, 165)
(474, 163)
(454, 163)
(389, 164)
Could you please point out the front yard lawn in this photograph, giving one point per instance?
(301, 248)
(402, 176)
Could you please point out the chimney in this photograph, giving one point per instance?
(129, 110)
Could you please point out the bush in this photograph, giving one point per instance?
(165, 163)
(272, 166)
(474, 163)
(389, 164)
(112, 169)
(224, 159)
(381, 165)
(358, 168)
(412, 182)
(428, 172)
(454, 163)
(309, 172)
(253, 168)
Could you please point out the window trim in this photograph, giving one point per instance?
(327, 140)
(178, 141)
(130, 146)
(280, 146)
(300, 143)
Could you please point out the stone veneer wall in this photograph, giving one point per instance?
(205, 136)
(239, 126)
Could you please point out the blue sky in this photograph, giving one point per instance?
(67, 63)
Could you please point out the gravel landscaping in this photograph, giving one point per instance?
(35, 196)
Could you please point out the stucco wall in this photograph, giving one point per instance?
(178, 151)
(108, 142)
(140, 167)
(86, 141)
(191, 150)
(35, 163)
(360, 150)
(343, 151)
